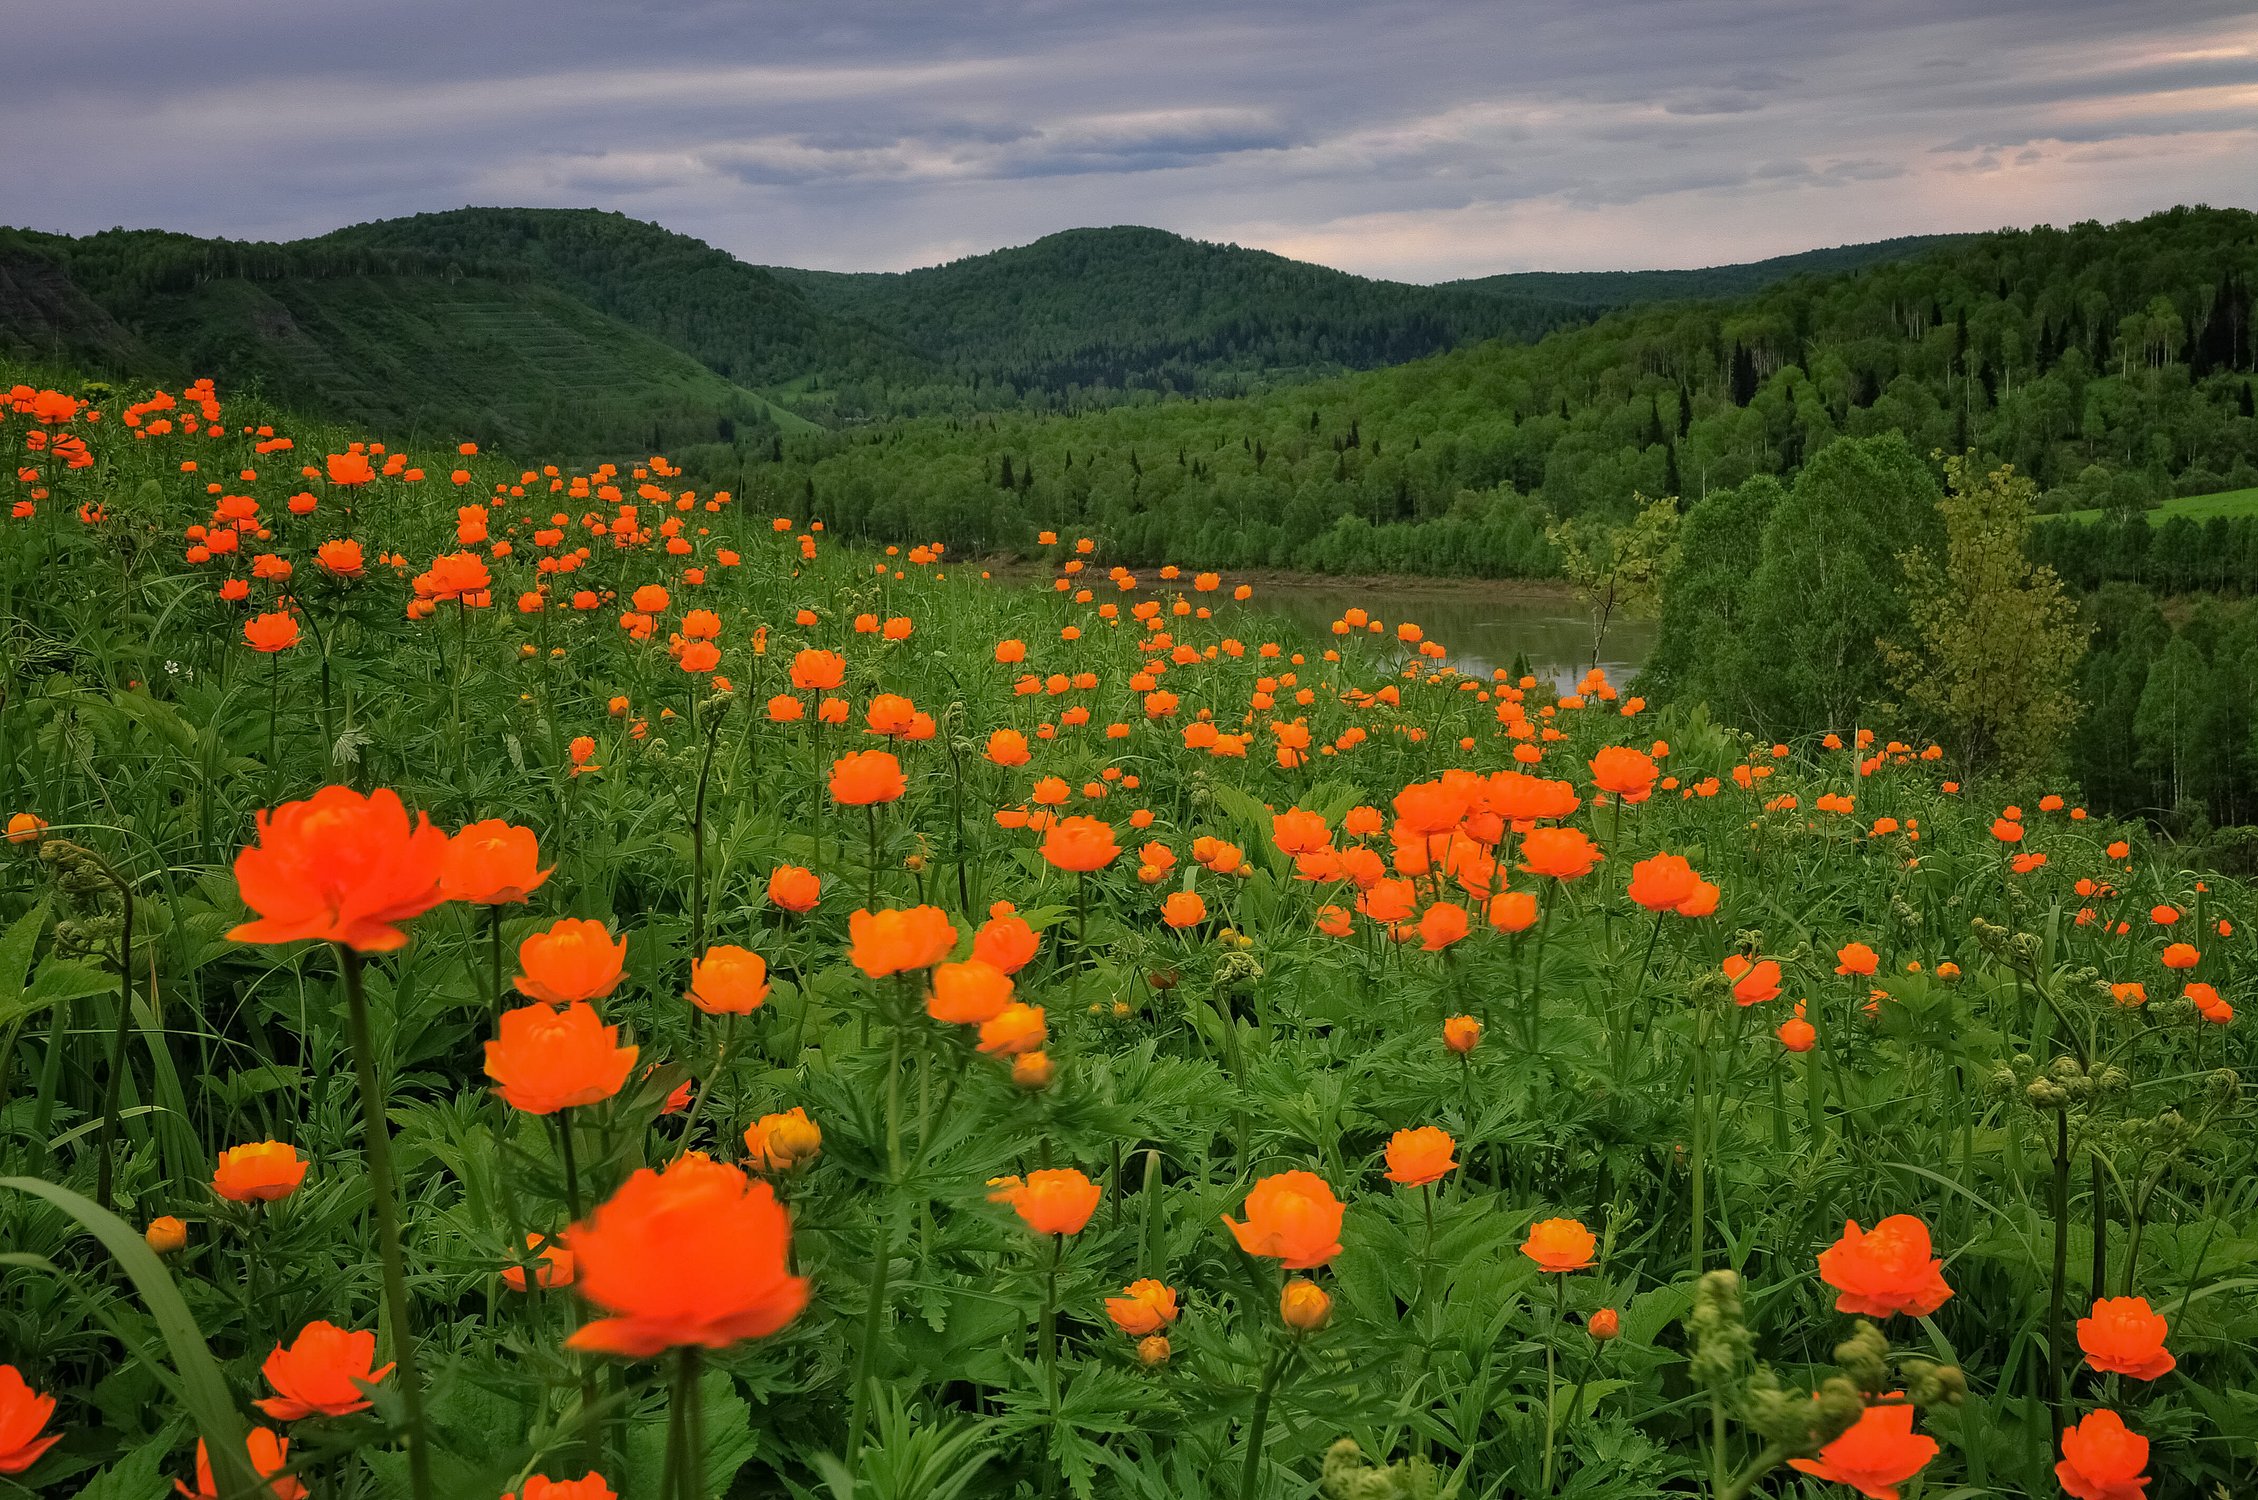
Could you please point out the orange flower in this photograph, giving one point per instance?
(1753, 983)
(897, 941)
(270, 633)
(548, 1059)
(1856, 958)
(968, 994)
(1888, 1270)
(1008, 747)
(23, 1412)
(1418, 1157)
(258, 1173)
(1666, 882)
(1005, 943)
(2102, 1459)
(1562, 853)
(1014, 1031)
(490, 864)
(1879, 1453)
(2123, 1337)
(268, 1452)
(1441, 925)
(1057, 1200)
(1183, 909)
(780, 1142)
(1628, 774)
(1462, 1034)
(690, 1254)
(340, 868)
(2181, 956)
(1513, 911)
(1560, 1245)
(1144, 1307)
(818, 671)
(794, 888)
(554, 1267)
(728, 981)
(321, 1374)
(589, 1486)
(349, 468)
(1293, 1218)
(865, 778)
(1080, 844)
(1604, 1324)
(576, 959)
(1304, 1306)
(1797, 1035)
(25, 828)
(166, 1235)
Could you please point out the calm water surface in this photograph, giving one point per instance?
(1482, 627)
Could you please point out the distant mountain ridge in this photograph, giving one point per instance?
(569, 329)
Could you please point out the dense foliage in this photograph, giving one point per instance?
(1535, 1049)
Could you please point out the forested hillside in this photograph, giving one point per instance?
(2113, 364)
(1625, 288)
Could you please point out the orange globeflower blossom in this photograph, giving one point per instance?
(1005, 942)
(1293, 1218)
(1420, 1156)
(491, 863)
(1441, 925)
(1880, 1452)
(268, 1451)
(321, 1374)
(341, 868)
(25, 828)
(1513, 911)
(781, 1142)
(1667, 882)
(1856, 958)
(968, 994)
(166, 1235)
(548, 1059)
(341, 558)
(728, 981)
(2102, 1459)
(589, 1486)
(2181, 956)
(258, 1173)
(1080, 844)
(1796, 1034)
(1144, 1307)
(2123, 1337)
(794, 888)
(1562, 853)
(575, 960)
(349, 468)
(271, 632)
(1008, 747)
(1626, 773)
(693, 1253)
(1886, 1270)
(865, 778)
(1014, 1031)
(1056, 1200)
(1183, 909)
(24, 1412)
(1462, 1034)
(1304, 1306)
(1560, 1245)
(818, 671)
(553, 1269)
(897, 941)
(1753, 982)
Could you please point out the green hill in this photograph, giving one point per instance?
(2103, 360)
(1628, 288)
(399, 344)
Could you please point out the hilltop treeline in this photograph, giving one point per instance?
(2113, 364)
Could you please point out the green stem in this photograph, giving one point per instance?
(376, 1135)
(1552, 1390)
(1250, 1478)
(110, 1087)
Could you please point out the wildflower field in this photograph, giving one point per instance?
(527, 982)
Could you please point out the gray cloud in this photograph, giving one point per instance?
(1414, 138)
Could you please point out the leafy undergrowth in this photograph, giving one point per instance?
(1274, 1063)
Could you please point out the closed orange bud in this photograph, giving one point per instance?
(1304, 1306)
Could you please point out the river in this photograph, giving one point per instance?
(1482, 625)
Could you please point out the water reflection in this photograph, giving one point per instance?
(1481, 627)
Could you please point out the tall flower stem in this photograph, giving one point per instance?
(1552, 1388)
(105, 1168)
(494, 953)
(1697, 1148)
(1046, 1332)
(376, 1138)
(1250, 1478)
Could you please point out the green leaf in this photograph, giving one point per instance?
(204, 1390)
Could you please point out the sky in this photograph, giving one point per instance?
(1414, 139)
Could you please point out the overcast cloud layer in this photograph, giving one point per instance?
(1415, 140)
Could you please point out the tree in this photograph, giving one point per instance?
(1705, 650)
(1993, 645)
(1619, 568)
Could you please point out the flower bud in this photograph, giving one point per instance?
(1153, 1349)
(1462, 1034)
(1604, 1324)
(1031, 1071)
(166, 1235)
(1304, 1305)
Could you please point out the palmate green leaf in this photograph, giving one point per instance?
(203, 1388)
